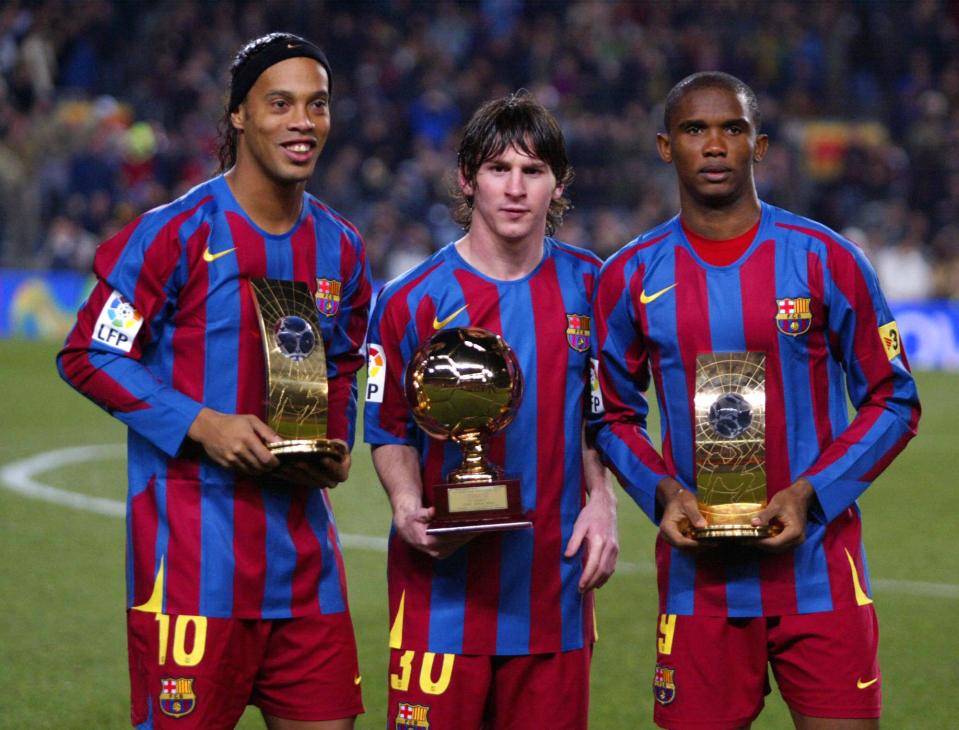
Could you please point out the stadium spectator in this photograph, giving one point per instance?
(602, 68)
(902, 265)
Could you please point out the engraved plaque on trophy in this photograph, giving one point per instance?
(464, 385)
(730, 433)
(296, 387)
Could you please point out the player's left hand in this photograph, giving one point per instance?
(324, 473)
(786, 513)
(596, 528)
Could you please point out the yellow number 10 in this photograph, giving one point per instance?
(180, 655)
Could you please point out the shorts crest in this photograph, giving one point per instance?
(412, 717)
(793, 316)
(664, 684)
(176, 696)
(577, 331)
(328, 296)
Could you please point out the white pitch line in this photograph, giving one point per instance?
(18, 476)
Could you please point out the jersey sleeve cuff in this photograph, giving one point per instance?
(834, 497)
(166, 424)
(382, 438)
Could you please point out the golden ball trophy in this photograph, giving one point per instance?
(464, 385)
(730, 444)
(296, 383)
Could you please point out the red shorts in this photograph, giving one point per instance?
(191, 672)
(711, 672)
(466, 692)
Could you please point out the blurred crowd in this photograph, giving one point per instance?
(110, 108)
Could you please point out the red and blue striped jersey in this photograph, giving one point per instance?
(170, 328)
(509, 592)
(809, 300)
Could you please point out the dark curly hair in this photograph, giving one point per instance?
(515, 120)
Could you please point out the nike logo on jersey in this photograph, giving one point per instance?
(357, 679)
(862, 685)
(211, 257)
(647, 298)
(438, 325)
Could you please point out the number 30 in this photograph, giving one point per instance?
(401, 680)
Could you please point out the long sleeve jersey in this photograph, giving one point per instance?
(170, 328)
(508, 592)
(809, 301)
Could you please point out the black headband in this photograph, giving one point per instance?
(273, 53)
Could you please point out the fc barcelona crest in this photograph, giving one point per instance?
(176, 696)
(793, 316)
(577, 331)
(664, 684)
(328, 296)
(412, 717)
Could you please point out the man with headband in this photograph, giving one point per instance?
(236, 592)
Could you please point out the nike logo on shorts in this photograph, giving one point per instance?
(863, 685)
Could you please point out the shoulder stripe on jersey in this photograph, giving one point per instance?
(640, 245)
(335, 216)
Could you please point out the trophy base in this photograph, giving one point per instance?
(477, 507)
(731, 522)
(308, 450)
(492, 526)
(732, 532)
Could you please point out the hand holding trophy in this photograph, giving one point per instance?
(465, 384)
(297, 387)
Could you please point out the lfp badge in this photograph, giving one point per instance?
(176, 696)
(118, 323)
(793, 316)
(577, 331)
(328, 296)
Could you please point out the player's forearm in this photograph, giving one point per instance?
(398, 467)
(341, 408)
(846, 468)
(666, 490)
(131, 393)
(599, 486)
(636, 465)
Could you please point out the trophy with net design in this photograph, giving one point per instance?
(730, 444)
(297, 387)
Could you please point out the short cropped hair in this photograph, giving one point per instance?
(711, 80)
(515, 120)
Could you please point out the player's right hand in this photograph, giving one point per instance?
(325, 472)
(236, 442)
(411, 520)
(680, 514)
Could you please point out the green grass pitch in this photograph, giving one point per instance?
(62, 635)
